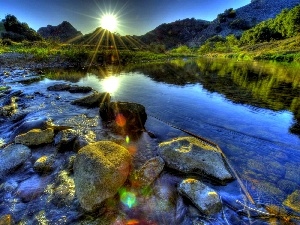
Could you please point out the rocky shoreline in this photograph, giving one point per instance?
(67, 173)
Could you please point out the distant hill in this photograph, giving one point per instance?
(194, 32)
(105, 39)
(175, 33)
(236, 21)
(63, 32)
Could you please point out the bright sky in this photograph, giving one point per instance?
(135, 17)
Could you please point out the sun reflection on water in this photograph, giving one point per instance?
(110, 84)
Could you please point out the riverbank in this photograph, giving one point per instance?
(287, 50)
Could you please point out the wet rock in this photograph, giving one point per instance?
(35, 137)
(190, 155)
(126, 116)
(148, 172)
(10, 109)
(205, 198)
(32, 188)
(80, 89)
(12, 157)
(6, 220)
(44, 164)
(65, 140)
(70, 88)
(293, 201)
(64, 190)
(100, 169)
(59, 87)
(93, 100)
(24, 125)
(14, 95)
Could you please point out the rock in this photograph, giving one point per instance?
(205, 198)
(100, 169)
(32, 188)
(59, 87)
(6, 220)
(190, 155)
(293, 201)
(93, 100)
(148, 172)
(64, 190)
(35, 137)
(80, 89)
(65, 140)
(12, 157)
(127, 116)
(9, 110)
(44, 164)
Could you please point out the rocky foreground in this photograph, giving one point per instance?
(56, 174)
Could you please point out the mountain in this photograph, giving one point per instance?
(106, 39)
(175, 33)
(236, 21)
(63, 32)
(193, 32)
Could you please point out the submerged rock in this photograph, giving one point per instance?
(93, 100)
(126, 116)
(100, 169)
(205, 198)
(12, 157)
(190, 155)
(35, 137)
(148, 172)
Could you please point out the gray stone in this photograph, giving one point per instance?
(35, 137)
(190, 155)
(12, 157)
(205, 198)
(100, 169)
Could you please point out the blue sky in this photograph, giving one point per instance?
(135, 17)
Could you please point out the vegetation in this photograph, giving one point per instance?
(275, 39)
(17, 31)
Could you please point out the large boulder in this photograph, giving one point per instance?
(35, 137)
(127, 116)
(12, 157)
(100, 169)
(206, 199)
(190, 155)
(93, 100)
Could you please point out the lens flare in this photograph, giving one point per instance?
(120, 120)
(128, 198)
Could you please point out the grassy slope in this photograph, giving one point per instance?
(287, 50)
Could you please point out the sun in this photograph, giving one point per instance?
(109, 22)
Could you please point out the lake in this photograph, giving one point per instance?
(250, 109)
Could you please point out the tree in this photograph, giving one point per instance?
(18, 31)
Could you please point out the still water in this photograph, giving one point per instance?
(250, 109)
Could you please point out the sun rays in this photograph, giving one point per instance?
(109, 22)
